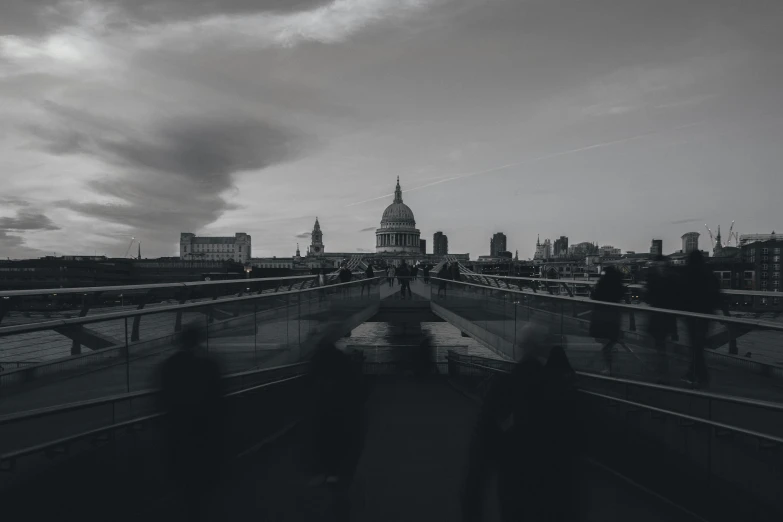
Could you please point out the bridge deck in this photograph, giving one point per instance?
(411, 468)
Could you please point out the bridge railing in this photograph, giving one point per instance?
(88, 357)
(717, 468)
(29, 306)
(744, 356)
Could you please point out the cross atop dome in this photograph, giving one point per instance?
(398, 192)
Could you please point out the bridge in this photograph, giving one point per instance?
(78, 409)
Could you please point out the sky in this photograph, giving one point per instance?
(606, 121)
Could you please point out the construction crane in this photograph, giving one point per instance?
(712, 239)
(129, 247)
(731, 236)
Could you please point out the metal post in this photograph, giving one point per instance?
(127, 359)
(255, 333)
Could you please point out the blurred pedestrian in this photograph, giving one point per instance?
(702, 297)
(528, 437)
(661, 292)
(192, 396)
(605, 324)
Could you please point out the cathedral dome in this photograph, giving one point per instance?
(397, 233)
(398, 214)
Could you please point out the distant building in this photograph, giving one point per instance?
(690, 242)
(194, 248)
(422, 246)
(609, 251)
(497, 244)
(543, 250)
(316, 247)
(440, 244)
(561, 247)
(745, 239)
(765, 257)
(582, 249)
(656, 248)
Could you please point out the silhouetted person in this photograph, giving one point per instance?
(425, 272)
(392, 275)
(191, 393)
(423, 358)
(345, 276)
(529, 433)
(661, 292)
(404, 276)
(338, 419)
(369, 275)
(444, 274)
(455, 275)
(605, 324)
(702, 295)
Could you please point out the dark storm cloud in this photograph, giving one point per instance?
(35, 17)
(27, 220)
(172, 177)
(368, 229)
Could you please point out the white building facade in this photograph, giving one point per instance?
(195, 248)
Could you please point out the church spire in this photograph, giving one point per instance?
(398, 192)
(538, 240)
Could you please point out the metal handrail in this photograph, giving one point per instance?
(728, 427)
(90, 403)
(683, 391)
(37, 448)
(690, 418)
(645, 309)
(593, 282)
(75, 321)
(128, 288)
(774, 406)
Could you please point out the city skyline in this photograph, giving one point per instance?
(607, 123)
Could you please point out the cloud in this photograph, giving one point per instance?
(35, 17)
(10, 201)
(687, 220)
(368, 229)
(170, 176)
(27, 220)
(303, 235)
(330, 23)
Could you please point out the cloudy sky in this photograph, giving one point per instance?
(609, 121)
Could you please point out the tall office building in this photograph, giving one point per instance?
(690, 242)
(497, 244)
(423, 246)
(440, 244)
(656, 249)
(561, 247)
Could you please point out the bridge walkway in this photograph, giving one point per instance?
(411, 468)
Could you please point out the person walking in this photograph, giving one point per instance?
(404, 277)
(425, 272)
(192, 396)
(661, 289)
(369, 275)
(444, 275)
(528, 438)
(392, 275)
(605, 324)
(702, 297)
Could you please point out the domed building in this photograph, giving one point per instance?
(398, 233)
